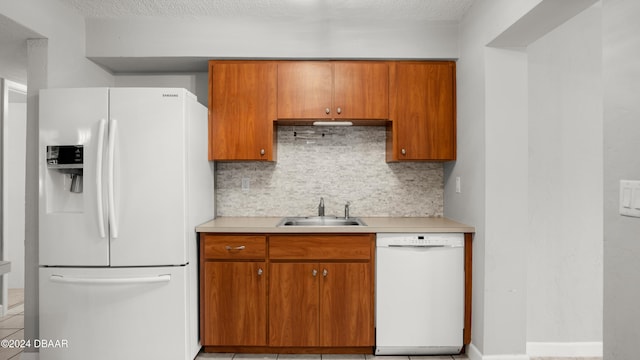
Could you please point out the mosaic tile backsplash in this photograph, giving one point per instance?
(339, 164)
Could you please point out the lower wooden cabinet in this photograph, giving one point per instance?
(346, 305)
(320, 304)
(279, 292)
(236, 303)
(233, 290)
(294, 305)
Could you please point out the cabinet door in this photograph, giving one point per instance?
(346, 305)
(423, 111)
(242, 110)
(293, 304)
(305, 90)
(234, 304)
(361, 90)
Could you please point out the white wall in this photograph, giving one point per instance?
(506, 200)
(13, 56)
(493, 164)
(14, 157)
(564, 242)
(66, 56)
(197, 83)
(484, 21)
(621, 49)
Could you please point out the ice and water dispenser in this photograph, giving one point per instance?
(64, 185)
(67, 159)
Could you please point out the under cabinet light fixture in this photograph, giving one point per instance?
(332, 123)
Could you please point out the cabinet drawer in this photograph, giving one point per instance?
(234, 247)
(320, 247)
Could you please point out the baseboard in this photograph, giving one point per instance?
(564, 349)
(474, 354)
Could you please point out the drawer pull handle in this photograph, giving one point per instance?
(229, 248)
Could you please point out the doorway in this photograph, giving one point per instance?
(13, 121)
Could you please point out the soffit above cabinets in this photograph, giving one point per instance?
(428, 10)
(160, 36)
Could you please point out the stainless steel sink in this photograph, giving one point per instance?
(321, 221)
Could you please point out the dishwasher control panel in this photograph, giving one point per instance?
(420, 240)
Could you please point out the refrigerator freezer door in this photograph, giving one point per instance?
(70, 222)
(148, 222)
(110, 313)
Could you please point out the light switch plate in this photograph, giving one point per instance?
(630, 198)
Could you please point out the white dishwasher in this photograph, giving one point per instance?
(419, 293)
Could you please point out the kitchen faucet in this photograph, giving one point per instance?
(346, 209)
(321, 207)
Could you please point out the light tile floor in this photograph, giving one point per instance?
(12, 326)
(228, 356)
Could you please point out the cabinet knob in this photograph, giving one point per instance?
(314, 272)
(403, 151)
(262, 151)
(325, 272)
(339, 110)
(327, 111)
(260, 271)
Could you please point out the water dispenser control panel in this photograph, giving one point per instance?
(65, 156)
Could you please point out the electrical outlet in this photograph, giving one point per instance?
(246, 184)
(458, 186)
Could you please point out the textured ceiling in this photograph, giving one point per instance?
(430, 10)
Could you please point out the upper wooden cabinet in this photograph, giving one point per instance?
(242, 110)
(422, 111)
(415, 99)
(333, 90)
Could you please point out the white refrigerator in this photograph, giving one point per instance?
(124, 180)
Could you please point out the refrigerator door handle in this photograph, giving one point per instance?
(110, 281)
(100, 191)
(113, 220)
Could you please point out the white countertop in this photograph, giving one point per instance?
(374, 225)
